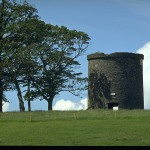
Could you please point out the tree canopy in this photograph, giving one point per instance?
(40, 57)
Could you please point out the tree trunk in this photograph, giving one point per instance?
(21, 103)
(29, 102)
(29, 105)
(1, 96)
(1, 83)
(1, 90)
(49, 105)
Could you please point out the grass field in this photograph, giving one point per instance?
(75, 128)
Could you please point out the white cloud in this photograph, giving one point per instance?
(69, 105)
(145, 50)
(5, 106)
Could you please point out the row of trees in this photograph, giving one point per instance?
(36, 56)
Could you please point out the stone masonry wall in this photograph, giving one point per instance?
(125, 73)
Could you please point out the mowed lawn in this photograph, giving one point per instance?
(75, 128)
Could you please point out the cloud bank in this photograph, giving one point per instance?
(5, 106)
(145, 50)
(70, 105)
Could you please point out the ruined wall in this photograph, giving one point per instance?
(122, 73)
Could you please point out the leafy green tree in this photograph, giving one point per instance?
(57, 57)
(38, 56)
(13, 16)
(33, 35)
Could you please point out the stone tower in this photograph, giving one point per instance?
(115, 80)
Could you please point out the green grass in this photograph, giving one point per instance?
(76, 128)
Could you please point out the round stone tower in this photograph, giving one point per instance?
(115, 80)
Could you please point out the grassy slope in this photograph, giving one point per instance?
(72, 128)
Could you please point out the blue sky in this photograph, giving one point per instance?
(113, 26)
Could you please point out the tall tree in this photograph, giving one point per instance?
(57, 57)
(39, 56)
(12, 16)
